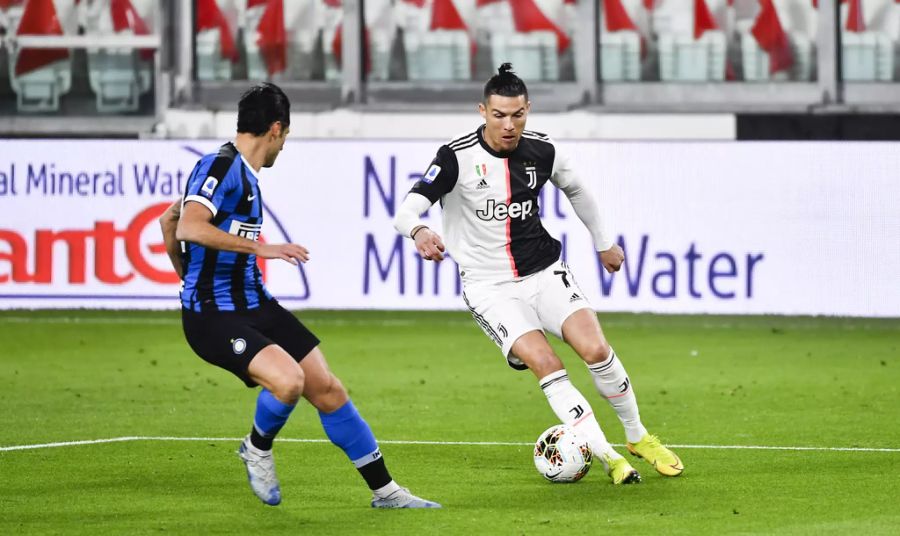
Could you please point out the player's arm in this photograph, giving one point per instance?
(567, 180)
(195, 225)
(437, 181)
(168, 222)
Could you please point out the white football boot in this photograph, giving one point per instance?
(402, 498)
(260, 472)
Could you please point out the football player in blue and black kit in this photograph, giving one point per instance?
(231, 320)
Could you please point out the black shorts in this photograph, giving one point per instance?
(231, 339)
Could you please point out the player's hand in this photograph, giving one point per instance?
(429, 244)
(612, 258)
(292, 253)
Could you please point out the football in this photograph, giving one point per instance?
(561, 456)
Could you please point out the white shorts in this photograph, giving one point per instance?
(506, 310)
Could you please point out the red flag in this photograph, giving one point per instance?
(703, 19)
(417, 3)
(528, 17)
(616, 17)
(771, 37)
(482, 3)
(649, 5)
(444, 16)
(126, 17)
(855, 22)
(272, 37)
(210, 17)
(39, 18)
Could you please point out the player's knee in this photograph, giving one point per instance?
(545, 363)
(289, 387)
(596, 352)
(329, 396)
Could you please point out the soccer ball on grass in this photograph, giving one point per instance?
(561, 456)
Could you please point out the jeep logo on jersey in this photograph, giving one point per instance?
(246, 230)
(501, 211)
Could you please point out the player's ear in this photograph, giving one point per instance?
(482, 110)
(528, 107)
(275, 129)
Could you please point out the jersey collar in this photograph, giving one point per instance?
(250, 168)
(244, 160)
(486, 147)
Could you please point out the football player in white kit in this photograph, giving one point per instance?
(515, 284)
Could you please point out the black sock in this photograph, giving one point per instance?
(375, 474)
(260, 441)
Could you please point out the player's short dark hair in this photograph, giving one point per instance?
(262, 105)
(505, 83)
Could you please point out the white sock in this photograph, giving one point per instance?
(612, 382)
(573, 410)
(385, 491)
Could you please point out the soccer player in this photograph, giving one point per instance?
(231, 320)
(515, 284)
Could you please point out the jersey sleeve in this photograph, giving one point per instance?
(207, 189)
(566, 179)
(563, 174)
(440, 177)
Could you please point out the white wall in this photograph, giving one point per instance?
(349, 124)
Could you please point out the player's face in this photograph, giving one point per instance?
(277, 137)
(504, 119)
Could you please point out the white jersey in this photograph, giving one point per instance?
(490, 204)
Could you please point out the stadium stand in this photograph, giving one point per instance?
(83, 58)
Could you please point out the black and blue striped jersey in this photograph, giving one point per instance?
(217, 280)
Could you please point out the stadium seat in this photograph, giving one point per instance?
(39, 77)
(256, 63)
(215, 49)
(620, 56)
(534, 54)
(867, 56)
(438, 55)
(118, 77)
(302, 26)
(329, 15)
(10, 13)
(755, 60)
(208, 57)
(684, 59)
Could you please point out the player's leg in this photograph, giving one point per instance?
(582, 331)
(347, 429)
(569, 404)
(343, 424)
(231, 341)
(282, 383)
(566, 313)
(504, 313)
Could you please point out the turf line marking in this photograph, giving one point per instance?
(436, 443)
(311, 319)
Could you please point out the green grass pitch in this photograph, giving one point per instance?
(700, 380)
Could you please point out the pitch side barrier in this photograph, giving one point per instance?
(707, 227)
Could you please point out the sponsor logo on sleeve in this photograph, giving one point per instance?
(431, 174)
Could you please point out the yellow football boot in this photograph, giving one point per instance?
(620, 471)
(666, 462)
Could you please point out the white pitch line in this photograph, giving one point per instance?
(310, 319)
(436, 443)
